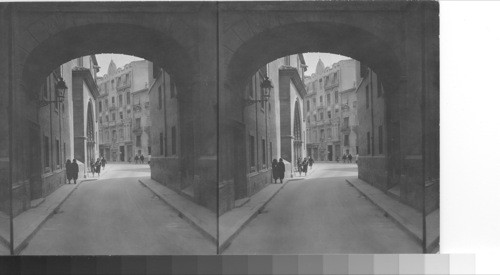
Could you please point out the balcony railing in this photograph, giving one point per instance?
(345, 128)
(137, 130)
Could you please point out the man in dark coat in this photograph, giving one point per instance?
(311, 161)
(74, 170)
(142, 158)
(275, 170)
(69, 173)
(281, 170)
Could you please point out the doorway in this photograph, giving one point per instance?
(122, 153)
(330, 152)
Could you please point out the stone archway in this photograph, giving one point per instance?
(176, 37)
(399, 44)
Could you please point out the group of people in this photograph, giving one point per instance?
(303, 164)
(72, 168)
(138, 159)
(95, 166)
(278, 167)
(347, 158)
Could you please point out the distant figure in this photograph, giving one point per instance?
(103, 162)
(275, 170)
(74, 170)
(142, 159)
(305, 163)
(349, 157)
(98, 164)
(92, 167)
(299, 166)
(311, 161)
(281, 170)
(136, 158)
(69, 173)
(357, 157)
(337, 158)
(344, 157)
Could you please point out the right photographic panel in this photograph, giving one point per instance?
(328, 128)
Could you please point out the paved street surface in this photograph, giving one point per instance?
(117, 215)
(322, 214)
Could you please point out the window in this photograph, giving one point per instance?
(336, 96)
(100, 106)
(335, 78)
(114, 135)
(251, 151)
(368, 151)
(346, 121)
(106, 104)
(367, 97)
(126, 82)
(329, 132)
(138, 122)
(121, 134)
(321, 116)
(121, 115)
(264, 152)
(58, 153)
(322, 134)
(308, 106)
(172, 88)
(113, 100)
(326, 80)
(113, 115)
(380, 140)
(118, 81)
(329, 114)
(346, 140)
(160, 100)
(120, 100)
(328, 99)
(112, 84)
(174, 141)
(321, 99)
(149, 150)
(128, 97)
(138, 142)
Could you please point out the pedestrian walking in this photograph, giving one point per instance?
(299, 166)
(281, 170)
(98, 164)
(305, 164)
(69, 174)
(103, 162)
(92, 167)
(349, 157)
(311, 161)
(337, 159)
(142, 159)
(74, 170)
(275, 170)
(136, 158)
(344, 157)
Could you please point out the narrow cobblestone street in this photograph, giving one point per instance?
(322, 214)
(116, 215)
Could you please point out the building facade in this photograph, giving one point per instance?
(123, 111)
(330, 108)
(273, 129)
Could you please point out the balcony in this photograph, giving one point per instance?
(345, 129)
(137, 107)
(122, 86)
(112, 107)
(137, 130)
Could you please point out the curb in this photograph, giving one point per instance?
(22, 245)
(412, 234)
(228, 241)
(182, 215)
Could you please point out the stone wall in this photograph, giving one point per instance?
(373, 170)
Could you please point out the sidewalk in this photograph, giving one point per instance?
(30, 221)
(200, 217)
(405, 216)
(232, 222)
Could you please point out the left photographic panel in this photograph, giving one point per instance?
(111, 147)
